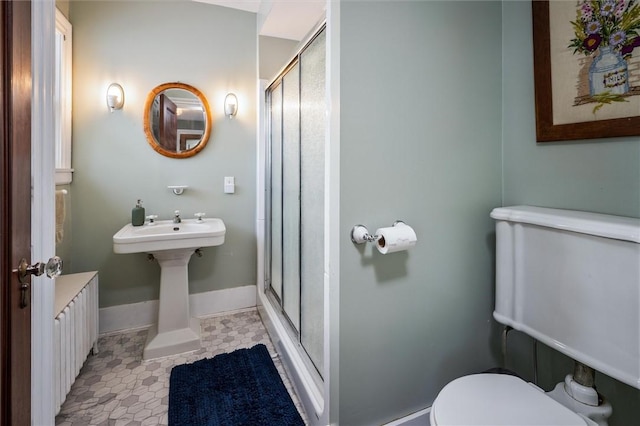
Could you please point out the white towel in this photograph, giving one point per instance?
(60, 214)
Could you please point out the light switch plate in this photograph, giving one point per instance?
(229, 185)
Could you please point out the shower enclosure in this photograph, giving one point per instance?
(295, 127)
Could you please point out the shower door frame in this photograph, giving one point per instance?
(294, 333)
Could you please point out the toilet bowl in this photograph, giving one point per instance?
(564, 278)
(499, 400)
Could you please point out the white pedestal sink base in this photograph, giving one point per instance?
(172, 342)
(176, 332)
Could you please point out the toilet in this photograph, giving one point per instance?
(570, 280)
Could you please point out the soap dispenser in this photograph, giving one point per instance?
(137, 214)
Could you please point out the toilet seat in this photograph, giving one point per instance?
(499, 400)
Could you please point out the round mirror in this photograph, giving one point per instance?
(177, 120)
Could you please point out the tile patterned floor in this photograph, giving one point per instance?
(115, 387)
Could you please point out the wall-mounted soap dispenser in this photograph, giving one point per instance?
(137, 214)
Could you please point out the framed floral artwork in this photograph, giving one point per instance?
(586, 68)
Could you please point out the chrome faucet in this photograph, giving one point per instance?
(176, 218)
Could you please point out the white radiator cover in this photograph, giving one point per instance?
(76, 335)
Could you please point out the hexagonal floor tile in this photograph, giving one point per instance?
(116, 387)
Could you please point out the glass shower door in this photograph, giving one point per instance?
(312, 137)
(291, 215)
(297, 108)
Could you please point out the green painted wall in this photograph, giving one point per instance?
(141, 45)
(420, 140)
(600, 175)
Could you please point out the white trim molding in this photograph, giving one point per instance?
(143, 314)
(419, 418)
(332, 234)
(63, 42)
(42, 207)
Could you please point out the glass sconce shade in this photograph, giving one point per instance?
(115, 97)
(230, 105)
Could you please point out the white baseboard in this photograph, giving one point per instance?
(419, 418)
(143, 314)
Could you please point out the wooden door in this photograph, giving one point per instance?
(168, 124)
(15, 214)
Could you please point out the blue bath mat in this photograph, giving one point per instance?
(238, 388)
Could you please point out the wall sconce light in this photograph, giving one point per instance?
(230, 105)
(115, 97)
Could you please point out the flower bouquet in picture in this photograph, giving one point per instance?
(606, 34)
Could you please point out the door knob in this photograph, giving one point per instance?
(52, 268)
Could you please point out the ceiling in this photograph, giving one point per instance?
(289, 19)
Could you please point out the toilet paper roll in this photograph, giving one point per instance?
(396, 238)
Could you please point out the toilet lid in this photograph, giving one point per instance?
(498, 399)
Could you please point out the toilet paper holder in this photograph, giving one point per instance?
(360, 234)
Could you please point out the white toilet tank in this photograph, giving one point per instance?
(571, 280)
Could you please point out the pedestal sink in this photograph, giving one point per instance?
(172, 245)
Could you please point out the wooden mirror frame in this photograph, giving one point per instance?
(147, 120)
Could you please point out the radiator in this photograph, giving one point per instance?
(76, 335)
